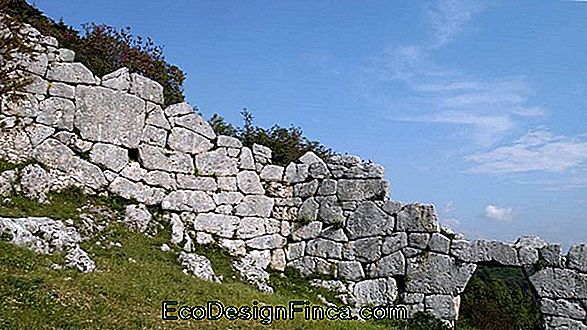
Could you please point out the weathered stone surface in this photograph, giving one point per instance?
(230, 197)
(434, 273)
(307, 189)
(228, 141)
(560, 283)
(198, 265)
(418, 217)
(376, 292)
(87, 173)
(563, 308)
(160, 179)
(137, 191)
(156, 117)
(295, 173)
(250, 227)
(35, 182)
(391, 265)
(309, 231)
(556, 323)
(133, 171)
(272, 173)
(295, 250)
(350, 270)
(227, 183)
(216, 163)
(185, 181)
(247, 162)
(110, 156)
(37, 85)
(218, 224)
(278, 261)
(7, 182)
(101, 112)
(334, 234)
(154, 136)
(196, 123)
(324, 248)
(155, 158)
(119, 80)
(308, 211)
(75, 73)
(577, 258)
(439, 243)
(62, 90)
(42, 235)
(188, 200)
(78, 258)
(273, 241)
(365, 249)
(185, 140)
(441, 306)
(359, 190)
(177, 229)
(249, 183)
(327, 188)
(38, 133)
(262, 151)
(552, 255)
(255, 206)
(137, 218)
(418, 240)
(57, 112)
(146, 88)
(369, 220)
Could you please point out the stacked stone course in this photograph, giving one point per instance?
(111, 135)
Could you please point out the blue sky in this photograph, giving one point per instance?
(476, 107)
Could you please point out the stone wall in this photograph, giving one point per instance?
(111, 135)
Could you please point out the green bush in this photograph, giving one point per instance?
(104, 49)
(288, 144)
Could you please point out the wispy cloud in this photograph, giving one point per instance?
(537, 150)
(433, 93)
(496, 213)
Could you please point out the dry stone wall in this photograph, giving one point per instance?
(111, 135)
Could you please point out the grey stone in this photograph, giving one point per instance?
(177, 229)
(552, 254)
(278, 261)
(528, 255)
(324, 248)
(160, 179)
(504, 254)
(272, 173)
(439, 243)
(156, 117)
(218, 224)
(137, 191)
(530, 241)
(331, 215)
(42, 235)
(250, 227)
(577, 258)
(358, 190)
(334, 234)
(196, 123)
(185, 181)
(247, 162)
(155, 158)
(61, 90)
(229, 197)
(262, 151)
(391, 265)
(369, 220)
(66, 55)
(255, 206)
(365, 249)
(441, 306)
(155, 136)
(75, 73)
(233, 247)
(57, 112)
(350, 270)
(228, 141)
(327, 187)
(87, 173)
(146, 88)
(7, 181)
(133, 171)
(273, 241)
(307, 189)
(418, 217)
(227, 183)
(137, 218)
(216, 163)
(198, 265)
(38, 133)
(188, 200)
(101, 113)
(119, 80)
(295, 250)
(308, 211)
(418, 240)
(376, 292)
(556, 323)
(249, 183)
(110, 156)
(562, 308)
(434, 273)
(309, 231)
(35, 182)
(412, 298)
(37, 85)
(185, 140)
(78, 258)
(295, 173)
(559, 283)
(178, 109)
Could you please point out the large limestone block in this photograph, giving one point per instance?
(255, 206)
(105, 115)
(249, 183)
(56, 112)
(577, 258)
(418, 217)
(185, 140)
(434, 273)
(369, 220)
(155, 158)
(216, 163)
(188, 200)
(218, 224)
(146, 88)
(137, 191)
(196, 123)
(75, 73)
(560, 283)
(87, 173)
(376, 292)
(442, 306)
(53, 154)
(110, 156)
(358, 190)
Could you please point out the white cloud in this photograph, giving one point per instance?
(499, 214)
(537, 150)
(449, 17)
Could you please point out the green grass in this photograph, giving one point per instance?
(127, 289)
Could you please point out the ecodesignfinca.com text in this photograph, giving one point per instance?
(267, 314)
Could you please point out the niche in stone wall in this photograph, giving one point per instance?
(499, 297)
